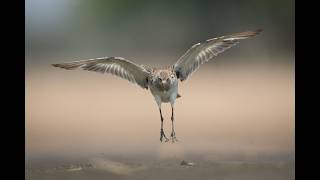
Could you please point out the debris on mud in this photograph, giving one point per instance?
(186, 163)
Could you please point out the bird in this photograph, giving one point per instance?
(162, 82)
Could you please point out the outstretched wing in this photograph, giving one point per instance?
(203, 52)
(115, 65)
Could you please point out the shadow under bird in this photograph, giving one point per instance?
(163, 82)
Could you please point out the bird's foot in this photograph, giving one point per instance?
(173, 137)
(162, 135)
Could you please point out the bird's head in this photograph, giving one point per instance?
(164, 79)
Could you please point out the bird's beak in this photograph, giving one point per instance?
(164, 84)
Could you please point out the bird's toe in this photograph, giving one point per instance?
(162, 135)
(173, 137)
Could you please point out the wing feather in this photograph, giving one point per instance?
(203, 52)
(114, 65)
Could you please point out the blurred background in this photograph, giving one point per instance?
(240, 103)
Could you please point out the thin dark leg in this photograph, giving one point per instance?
(173, 134)
(162, 135)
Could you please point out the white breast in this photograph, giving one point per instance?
(165, 96)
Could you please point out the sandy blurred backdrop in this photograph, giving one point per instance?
(240, 109)
(242, 102)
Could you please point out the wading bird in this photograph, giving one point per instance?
(163, 82)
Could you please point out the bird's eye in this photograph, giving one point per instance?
(159, 79)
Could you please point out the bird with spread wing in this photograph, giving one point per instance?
(163, 82)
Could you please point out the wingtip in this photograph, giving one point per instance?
(259, 30)
(253, 33)
(58, 66)
(247, 34)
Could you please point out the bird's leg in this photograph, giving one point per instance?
(173, 134)
(162, 135)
